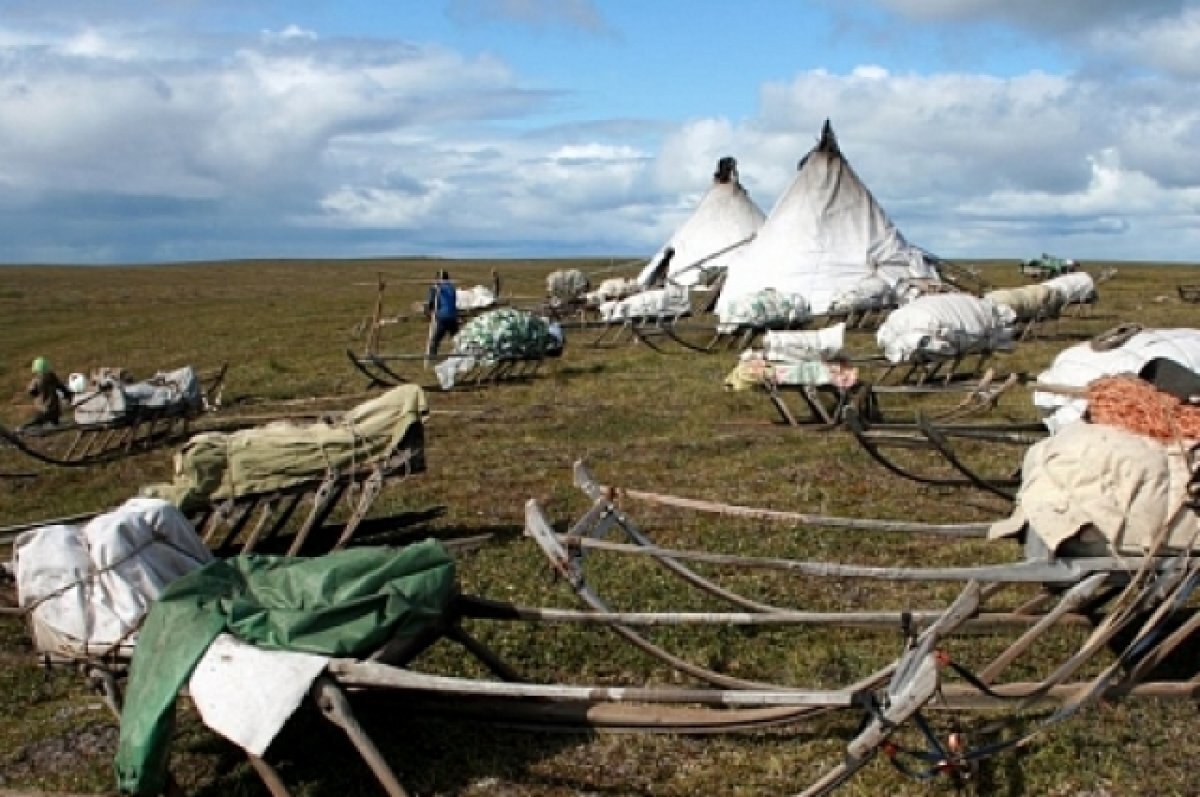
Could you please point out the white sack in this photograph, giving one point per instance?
(806, 344)
(1074, 288)
(110, 399)
(611, 290)
(765, 309)
(869, 293)
(945, 325)
(567, 284)
(475, 298)
(98, 580)
(1028, 302)
(667, 302)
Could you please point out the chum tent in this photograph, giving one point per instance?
(722, 224)
(824, 236)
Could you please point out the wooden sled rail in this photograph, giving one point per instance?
(381, 370)
(928, 436)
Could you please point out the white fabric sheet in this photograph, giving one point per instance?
(1093, 479)
(247, 694)
(1078, 365)
(475, 298)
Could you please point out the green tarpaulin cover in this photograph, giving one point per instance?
(346, 603)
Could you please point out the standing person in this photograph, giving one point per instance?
(48, 393)
(442, 309)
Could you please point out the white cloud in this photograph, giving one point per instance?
(977, 165)
(120, 144)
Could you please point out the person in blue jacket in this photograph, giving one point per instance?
(442, 308)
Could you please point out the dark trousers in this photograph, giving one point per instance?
(49, 416)
(441, 328)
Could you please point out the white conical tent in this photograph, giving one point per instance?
(722, 224)
(824, 235)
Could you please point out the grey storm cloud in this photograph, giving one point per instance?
(1045, 15)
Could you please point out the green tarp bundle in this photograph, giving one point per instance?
(217, 465)
(347, 603)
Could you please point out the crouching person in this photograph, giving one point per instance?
(48, 393)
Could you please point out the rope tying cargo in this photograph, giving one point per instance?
(1135, 405)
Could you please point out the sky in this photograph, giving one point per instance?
(179, 130)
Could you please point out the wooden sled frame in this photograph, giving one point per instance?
(1115, 596)
(380, 371)
(927, 435)
(244, 522)
(824, 406)
(140, 428)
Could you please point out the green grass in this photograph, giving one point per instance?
(658, 422)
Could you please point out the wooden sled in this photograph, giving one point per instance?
(384, 370)
(138, 429)
(824, 406)
(245, 522)
(1135, 607)
(1189, 292)
(940, 439)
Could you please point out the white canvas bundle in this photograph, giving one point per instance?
(869, 293)
(824, 235)
(110, 399)
(765, 309)
(806, 344)
(667, 302)
(1074, 288)
(475, 298)
(945, 325)
(1078, 365)
(1103, 487)
(90, 585)
(567, 284)
(724, 222)
(613, 289)
(1028, 301)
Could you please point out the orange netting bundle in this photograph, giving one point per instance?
(1135, 405)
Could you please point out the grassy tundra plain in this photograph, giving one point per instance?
(640, 419)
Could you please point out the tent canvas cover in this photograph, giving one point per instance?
(722, 224)
(824, 235)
